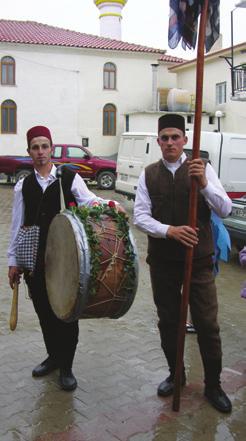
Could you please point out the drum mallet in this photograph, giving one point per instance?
(14, 308)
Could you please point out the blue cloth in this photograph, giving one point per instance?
(222, 241)
(183, 23)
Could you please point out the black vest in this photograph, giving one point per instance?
(41, 208)
(170, 205)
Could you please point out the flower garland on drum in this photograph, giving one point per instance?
(121, 219)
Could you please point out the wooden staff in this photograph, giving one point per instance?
(14, 308)
(192, 207)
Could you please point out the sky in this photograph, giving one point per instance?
(144, 21)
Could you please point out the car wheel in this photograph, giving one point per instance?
(106, 180)
(22, 174)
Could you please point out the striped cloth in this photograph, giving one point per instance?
(183, 23)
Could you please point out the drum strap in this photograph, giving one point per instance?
(62, 201)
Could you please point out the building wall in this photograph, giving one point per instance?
(217, 71)
(63, 89)
(46, 93)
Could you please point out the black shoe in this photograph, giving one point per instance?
(167, 386)
(47, 366)
(67, 380)
(218, 398)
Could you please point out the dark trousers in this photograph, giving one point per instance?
(166, 280)
(60, 338)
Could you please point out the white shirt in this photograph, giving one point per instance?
(214, 194)
(81, 193)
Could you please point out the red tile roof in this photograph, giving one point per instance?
(171, 59)
(30, 32)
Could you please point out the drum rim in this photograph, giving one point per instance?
(83, 264)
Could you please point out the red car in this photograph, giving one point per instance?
(78, 158)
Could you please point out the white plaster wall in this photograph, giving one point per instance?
(165, 78)
(217, 71)
(46, 93)
(133, 92)
(63, 89)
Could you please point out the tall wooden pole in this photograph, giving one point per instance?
(192, 207)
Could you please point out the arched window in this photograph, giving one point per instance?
(109, 120)
(7, 70)
(8, 117)
(109, 76)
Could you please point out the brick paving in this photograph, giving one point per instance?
(118, 366)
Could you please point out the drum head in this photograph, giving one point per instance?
(62, 267)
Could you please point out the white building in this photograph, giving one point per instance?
(79, 85)
(89, 89)
(217, 88)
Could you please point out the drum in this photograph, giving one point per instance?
(91, 268)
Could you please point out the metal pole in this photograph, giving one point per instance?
(232, 56)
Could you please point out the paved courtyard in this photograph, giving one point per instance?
(118, 365)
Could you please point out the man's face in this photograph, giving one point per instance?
(171, 142)
(40, 150)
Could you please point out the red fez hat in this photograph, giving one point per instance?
(172, 120)
(36, 131)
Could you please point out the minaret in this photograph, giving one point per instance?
(110, 17)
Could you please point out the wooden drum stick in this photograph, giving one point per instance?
(14, 308)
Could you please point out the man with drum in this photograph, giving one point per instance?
(37, 201)
(161, 211)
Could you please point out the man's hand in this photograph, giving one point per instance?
(184, 234)
(120, 209)
(14, 275)
(197, 170)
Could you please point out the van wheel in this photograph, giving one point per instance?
(22, 174)
(106, 180)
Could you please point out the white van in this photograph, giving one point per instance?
(225, 151)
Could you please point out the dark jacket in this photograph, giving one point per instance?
(170, 205)
(41, 208)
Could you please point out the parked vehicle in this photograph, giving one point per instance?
(236, 222)
(136, 151)
(225, 151)
(78, 158)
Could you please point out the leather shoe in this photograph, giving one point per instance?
(167, 386)
(67, 380)
(44, 368)
(218, 398)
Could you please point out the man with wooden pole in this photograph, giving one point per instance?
(161, 211)
(173, 206)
